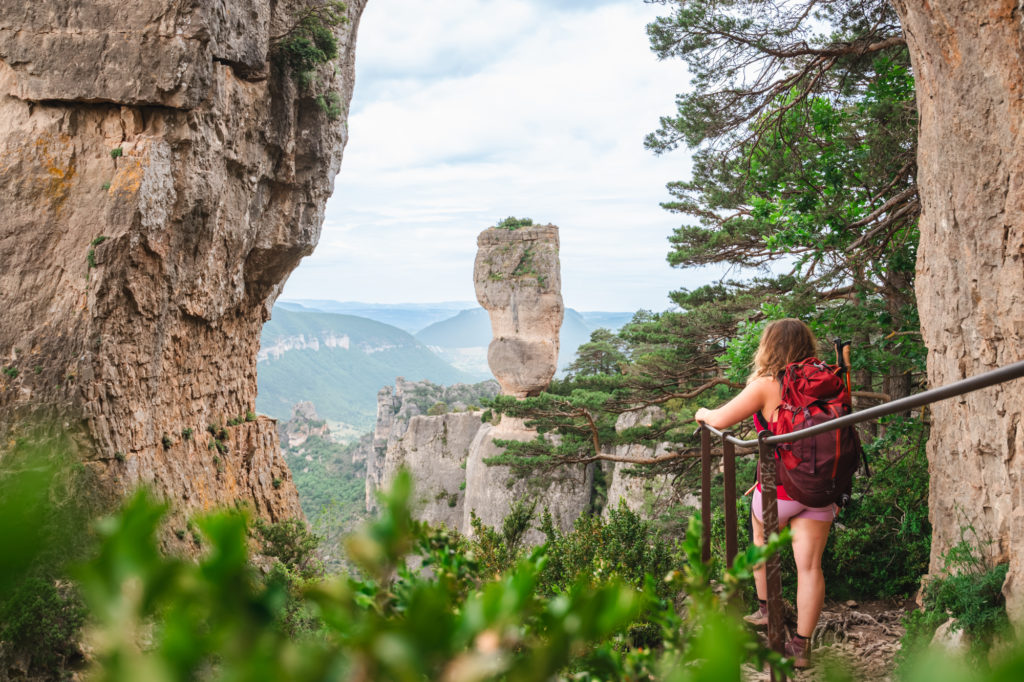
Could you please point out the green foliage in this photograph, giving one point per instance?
(43, 620)
(605, 353)
(116, 153)
(332, 491)
(330, 104)
(625, 546)
(46, 501)
(291, 543)
(277, 483)
(512, 223)
(310, 44)
(166, 441)
(11, 371)
(250, 416)
(119, 456)
(969, 592)
(186, 433)
(438, 409)
(105, 186)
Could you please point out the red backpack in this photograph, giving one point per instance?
(816, 471)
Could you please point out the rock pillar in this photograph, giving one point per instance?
(518, 282)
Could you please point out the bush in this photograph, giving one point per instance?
(512, 223)
(438, 409)
(969, 592)
(42, 620)
(625, 547)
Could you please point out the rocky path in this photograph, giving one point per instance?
(860, 638)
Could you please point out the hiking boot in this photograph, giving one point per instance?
(758, 618)
(799, 650)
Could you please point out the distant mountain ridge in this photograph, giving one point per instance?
(410, 317)
(338, 363)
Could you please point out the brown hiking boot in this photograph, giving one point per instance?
(758, 618)
(798, 649)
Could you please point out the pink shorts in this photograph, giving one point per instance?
(791, 509)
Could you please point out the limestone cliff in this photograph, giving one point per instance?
(305, 422)
(517, 276)
(162, 174)
(647, 495)
(968, 60)
(396, 408)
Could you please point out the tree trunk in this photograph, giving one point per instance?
(968, 60)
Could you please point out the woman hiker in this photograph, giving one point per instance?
(782, 342)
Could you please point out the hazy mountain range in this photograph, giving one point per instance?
(337, 355)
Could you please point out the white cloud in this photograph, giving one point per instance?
(467, 111)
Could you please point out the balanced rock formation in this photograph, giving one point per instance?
(519, 283)
(162, 174)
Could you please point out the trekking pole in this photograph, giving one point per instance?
(843, 360)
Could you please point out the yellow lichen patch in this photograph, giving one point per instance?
(128, 179)
(55, 154)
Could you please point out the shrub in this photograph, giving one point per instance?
(11, 371)
(277, 482)
(116, 153)
(513, 223)
(626, 547)
(186, 434)
(166, 441)
(250, 416)
(969, 592)
(42, 620)
(291, 543)
(438, 409)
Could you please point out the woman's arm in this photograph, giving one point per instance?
(750, 400)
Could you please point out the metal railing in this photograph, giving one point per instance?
(769, 484)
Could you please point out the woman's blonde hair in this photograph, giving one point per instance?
(782, 342)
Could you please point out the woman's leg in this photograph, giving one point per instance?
(809, 538)
(760, 581)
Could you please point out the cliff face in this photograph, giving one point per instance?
(968, 60)
(397, 407)
(646, 495)
(161, 178)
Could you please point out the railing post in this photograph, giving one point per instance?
(770, 516)
(729, 472)
(705, 493)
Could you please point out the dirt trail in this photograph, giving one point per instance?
(862, 638)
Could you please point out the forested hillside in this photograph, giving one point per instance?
(338, 362)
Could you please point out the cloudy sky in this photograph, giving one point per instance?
(468, 111)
